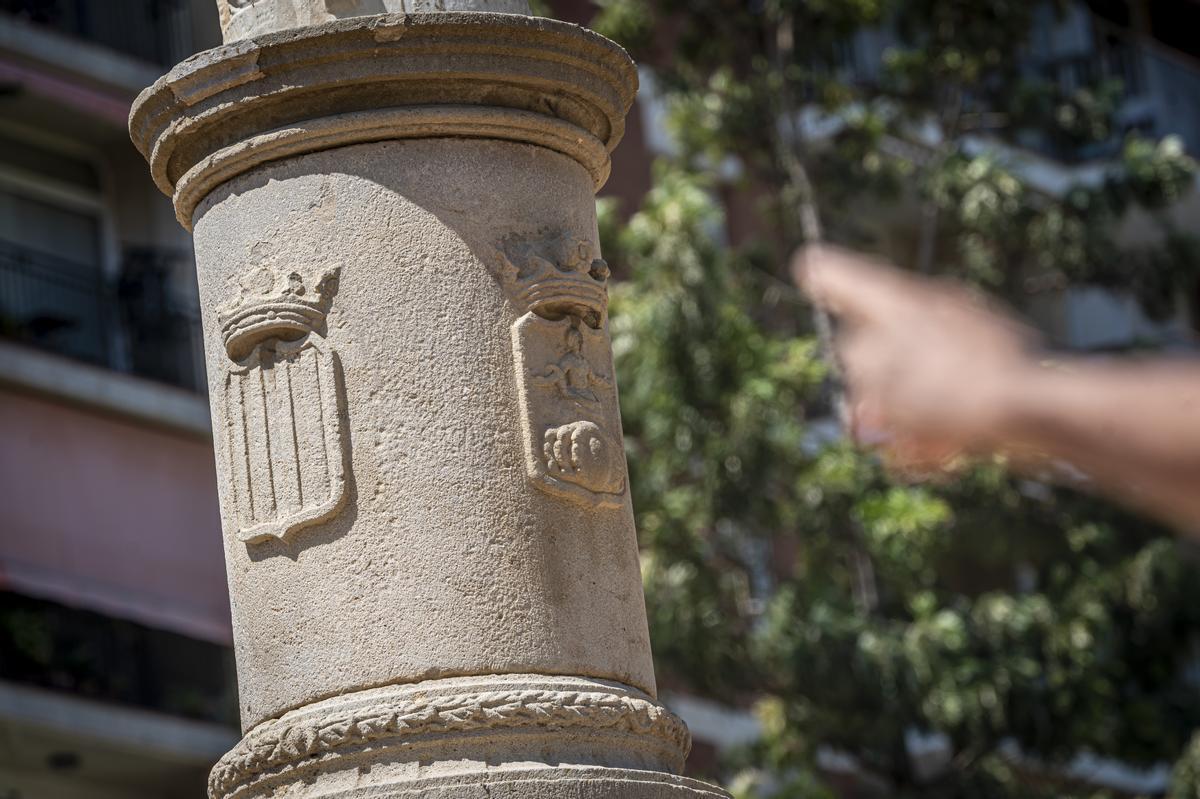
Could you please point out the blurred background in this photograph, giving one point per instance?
(825, 633)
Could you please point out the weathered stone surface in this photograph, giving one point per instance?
(241, 19)
(484, 76)
(450, 557)
(516, 719)
(430, 545)
(282, 402)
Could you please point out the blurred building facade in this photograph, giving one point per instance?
(115, 673)
(116, 678)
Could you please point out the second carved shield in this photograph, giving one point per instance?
(569, 416)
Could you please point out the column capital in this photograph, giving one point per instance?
(398, 76)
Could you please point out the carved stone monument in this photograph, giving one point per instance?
(430, 546)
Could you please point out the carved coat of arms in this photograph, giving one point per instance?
(566, 392)
(283, 436)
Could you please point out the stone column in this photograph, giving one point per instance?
(427, 526)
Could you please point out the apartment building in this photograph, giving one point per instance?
(115, 673)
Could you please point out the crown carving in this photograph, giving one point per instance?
(555, 275)
(276, 304)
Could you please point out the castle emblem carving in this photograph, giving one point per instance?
(283, 437)
(571, 427)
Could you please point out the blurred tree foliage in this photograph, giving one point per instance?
(781, 567)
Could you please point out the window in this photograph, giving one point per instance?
(52, 255)
(67, 287)
(51, 278)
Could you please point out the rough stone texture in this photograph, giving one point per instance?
(224, 112)
(241, 19)
(410, 731)
(447, 558)
(428, 534)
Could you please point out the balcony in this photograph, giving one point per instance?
(93, 655)
(1160, 86)
(155, 31)
(133, 324)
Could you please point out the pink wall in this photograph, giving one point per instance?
(111, 515)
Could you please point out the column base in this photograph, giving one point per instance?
(545, 782)
(495, 736)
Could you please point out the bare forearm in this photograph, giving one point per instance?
(1132, 428)
(933, 372)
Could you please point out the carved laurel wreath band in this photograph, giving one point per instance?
(285, 741)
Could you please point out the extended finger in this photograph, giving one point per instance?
(856, 287)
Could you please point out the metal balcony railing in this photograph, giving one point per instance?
(133, 325)
(158, 31)
(103, 658)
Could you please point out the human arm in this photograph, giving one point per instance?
(935, 375)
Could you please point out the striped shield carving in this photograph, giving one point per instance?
(284, 438)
